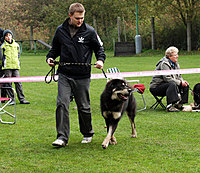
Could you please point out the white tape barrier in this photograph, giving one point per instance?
(109, 75)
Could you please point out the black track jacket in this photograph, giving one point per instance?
(78, 49)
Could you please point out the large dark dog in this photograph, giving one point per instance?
(116, 98)
(196, 96)
(195, 106)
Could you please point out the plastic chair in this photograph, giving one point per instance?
(4, 108)
(140, 88)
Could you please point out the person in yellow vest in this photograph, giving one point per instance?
(9, 56)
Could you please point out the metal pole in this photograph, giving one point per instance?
(138, 41)
(137, 25)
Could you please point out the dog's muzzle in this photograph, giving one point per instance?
(124, 96)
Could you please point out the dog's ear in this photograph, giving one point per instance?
(109, 87)
(130, 86)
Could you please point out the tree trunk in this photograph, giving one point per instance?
(118, 28)
(152, 33)
(94, 23)
(189, 42)
(31, 37)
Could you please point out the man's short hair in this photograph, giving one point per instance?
(170, 51)
(76, 7)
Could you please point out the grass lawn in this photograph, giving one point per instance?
(167, 142)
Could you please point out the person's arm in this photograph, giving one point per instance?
(18, 49)
(98, 50)
(170, 77)
(54, 51)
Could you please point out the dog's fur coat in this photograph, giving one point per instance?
(196, 96)
(116, 98)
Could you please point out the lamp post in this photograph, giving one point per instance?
(138, 42)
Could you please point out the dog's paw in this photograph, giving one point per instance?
(113, 141)
(105, 144)
(134, 136)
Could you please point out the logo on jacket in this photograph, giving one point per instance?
(81, 40)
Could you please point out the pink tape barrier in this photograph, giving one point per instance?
(109, 75)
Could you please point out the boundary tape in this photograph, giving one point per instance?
(109, 75)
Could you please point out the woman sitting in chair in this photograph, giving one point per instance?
(172, 86)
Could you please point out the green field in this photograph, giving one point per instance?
(166, 142)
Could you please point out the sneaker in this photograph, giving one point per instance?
(24, 102)
(12, 103)
(86, 140)
(59, 143)
(172, 109)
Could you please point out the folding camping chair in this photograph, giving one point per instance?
(7, 110)
(158, 102)
(138, 87)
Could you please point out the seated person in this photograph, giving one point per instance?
(172, 86)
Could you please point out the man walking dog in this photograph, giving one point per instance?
(74, 41)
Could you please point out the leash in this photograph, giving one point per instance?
(52, 71)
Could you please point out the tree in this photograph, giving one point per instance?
(29, 12)
(186, 9)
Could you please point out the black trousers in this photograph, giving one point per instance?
(172, 92)
(80, 90)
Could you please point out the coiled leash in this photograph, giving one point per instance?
(52, 71)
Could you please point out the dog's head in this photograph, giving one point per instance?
(196, 94)
(118, 89)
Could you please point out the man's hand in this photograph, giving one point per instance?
(185, 83)
(50, 61)
(99, 64)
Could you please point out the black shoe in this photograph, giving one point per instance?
(24, 102)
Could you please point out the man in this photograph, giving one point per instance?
(173, 86)
(74, 41)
